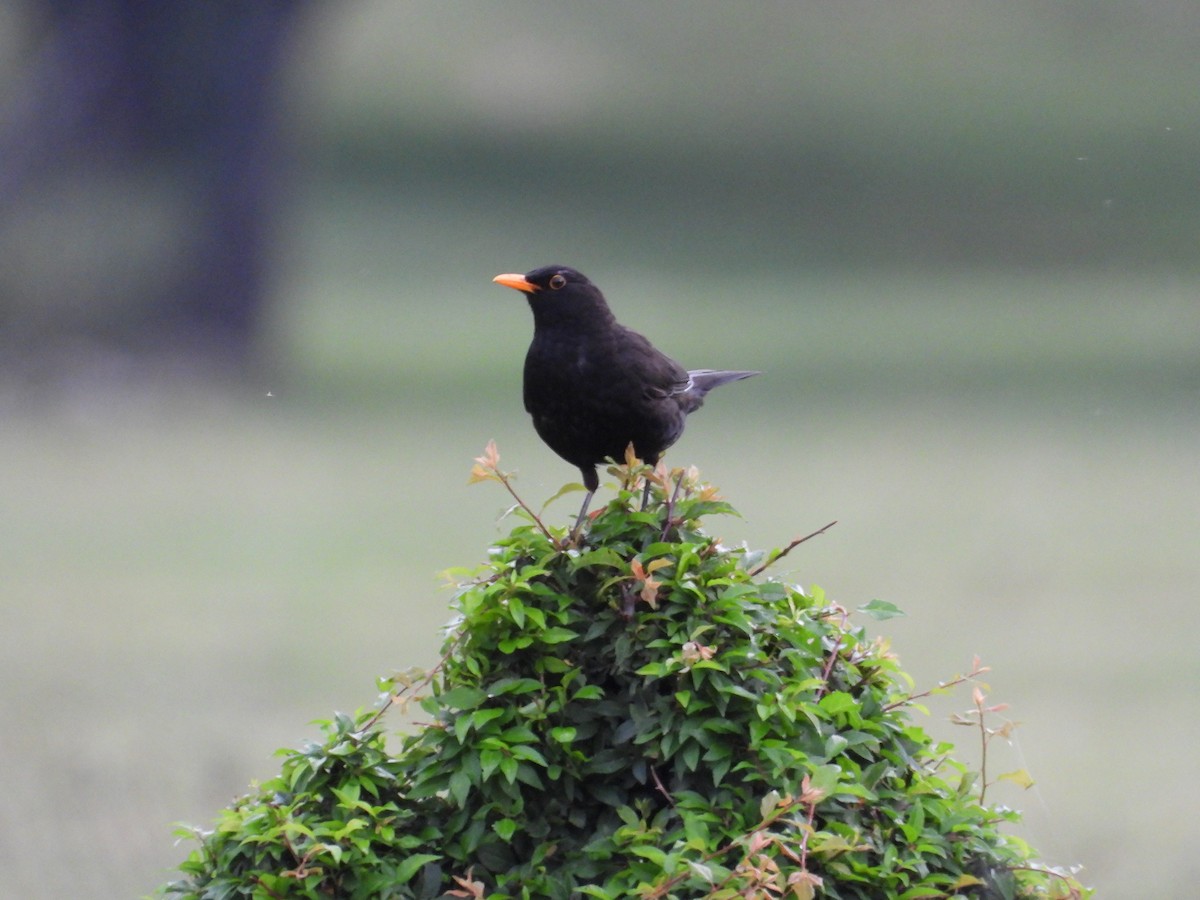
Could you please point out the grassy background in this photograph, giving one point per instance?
(957, 238)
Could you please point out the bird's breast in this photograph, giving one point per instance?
(566, 359)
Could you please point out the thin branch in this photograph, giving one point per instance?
(670, 505)
(487, 468)
(780, 554)
(827, 671)
(983, 741)
(1071, 883)
(812, 813)
(942, 686)
(659, 785)
(503, 478)
(423, 682)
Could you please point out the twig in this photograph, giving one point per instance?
(503, 478)
(541, 526)
(487, 468)
(670, 505)
(424, 681)
(659, 785)
(780, 554)
(827, 671)
(977, 669)
(812, 813)
(984, 740)
(1071, 883)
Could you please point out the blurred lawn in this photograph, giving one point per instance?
(191, 575)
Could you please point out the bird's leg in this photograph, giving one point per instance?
(653, 464)
(582, 515)
(591, 481)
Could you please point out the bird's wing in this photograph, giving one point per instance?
(681, 385)
(658, 374)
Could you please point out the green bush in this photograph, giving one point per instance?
(633, 712)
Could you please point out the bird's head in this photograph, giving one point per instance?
(550, 279)
(558, 293)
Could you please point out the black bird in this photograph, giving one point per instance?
(593, 386)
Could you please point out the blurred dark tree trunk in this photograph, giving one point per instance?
(174, 99)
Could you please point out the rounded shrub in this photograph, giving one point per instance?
(636, 711)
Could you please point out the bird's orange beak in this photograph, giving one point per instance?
(516, 282)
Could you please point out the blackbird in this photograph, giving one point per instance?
(592, 386)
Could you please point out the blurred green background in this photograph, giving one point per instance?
(960, 239)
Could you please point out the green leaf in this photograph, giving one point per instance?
(529, 753)
(704, 872)
(825, 778)
(515, 685)
(518, 734)
(1019, 777)
(411, 865)
(516, 609)
(460, 786)
(606, 762)
(834, 744)
(571, 487)
(462, 697)
(509, 768)
(881, 610)
(691, 756)
(837, 702)
(462, 725)
(505, 828)
(768, 804)
(601, 556)
(481, 717)
(489, 761)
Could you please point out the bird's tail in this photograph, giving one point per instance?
(704, 380)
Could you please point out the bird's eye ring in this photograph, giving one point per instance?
(557, 281)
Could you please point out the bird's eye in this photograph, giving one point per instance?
(557, 281)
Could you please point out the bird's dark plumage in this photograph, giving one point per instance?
(593, 386)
